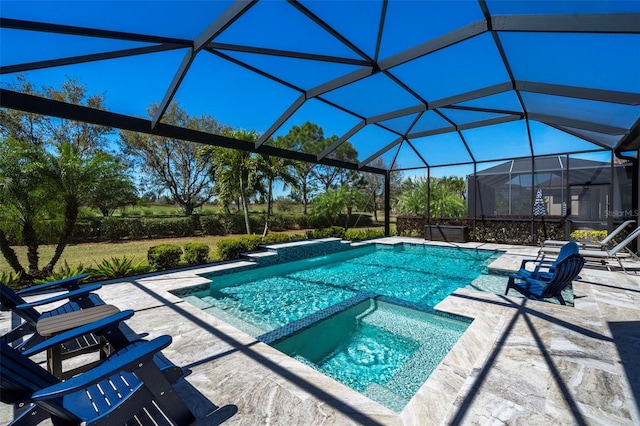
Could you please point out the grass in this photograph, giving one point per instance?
(91, 254)
(175, 210)
(156, 209)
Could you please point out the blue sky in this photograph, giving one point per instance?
(243, 99)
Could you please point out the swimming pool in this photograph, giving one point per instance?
(260, 300)
(387, 353)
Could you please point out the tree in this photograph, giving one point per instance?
(173, 164)
(113, 190)
(42, 130)
(39, 183)
(73, 178)
(235, 171)
(306, 138)
(329, 176)
(413, 198)
(446, 197)
(25, 200)
(49, 166)
(336, 201)
(272, 169)
(373, 184)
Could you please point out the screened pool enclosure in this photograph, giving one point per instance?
(514, 96)
(589, 192)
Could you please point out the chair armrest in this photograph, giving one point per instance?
(128, 361)
(70, 283)
(70, 295)
(93, 327)
(541, 262)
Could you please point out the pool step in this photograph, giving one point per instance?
(250, 329)
(381, 393)
(271, 254)
(197, 302)
(389, 321)
(261, 257)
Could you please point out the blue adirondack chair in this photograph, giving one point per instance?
(111, 330)
(78, 298)
(544, 269)
(125, 385)
(76, 343)
(563, 274)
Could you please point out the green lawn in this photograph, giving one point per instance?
(175, 210)
(91, 253)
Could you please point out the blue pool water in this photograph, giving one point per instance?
(263, 299)
(382, 350)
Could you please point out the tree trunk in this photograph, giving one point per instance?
(375, 207)
(349, 211)
(245, 207)
(304, 197)
(70, 217)
(10, 255)
(188, 209)
(267, 221)
(30, 239)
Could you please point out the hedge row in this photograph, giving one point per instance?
(135, 228)
(167, 256)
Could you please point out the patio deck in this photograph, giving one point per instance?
(520, 361)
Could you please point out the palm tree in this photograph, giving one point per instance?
(37, 184)
(235, 172)
(272, 169)
(25, 200)
(446, 197)
(341, 200)
(73, 177)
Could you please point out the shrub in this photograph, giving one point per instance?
(331, 232)
(117, 228)
(297, 237)
(233, 224)
(213, 225)
(116, 267)
(363, 234)
(169, 227)
(231, 248)
(195, 253)
(86, 230)
(8, 278)
(62, 272)
(276, 238)
(588, 236)
(164, 256)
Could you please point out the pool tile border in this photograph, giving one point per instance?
(292, 328)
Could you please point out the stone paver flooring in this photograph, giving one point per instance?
(520, 361)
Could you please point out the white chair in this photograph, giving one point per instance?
(618, 252)
(602, 245)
